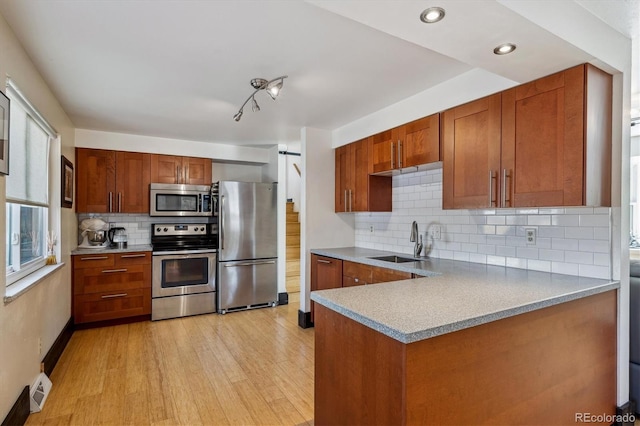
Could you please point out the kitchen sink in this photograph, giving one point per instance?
(394, 259)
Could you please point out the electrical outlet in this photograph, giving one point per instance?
(436, 232)
(39, 346)
(371, 229)
(530, 233)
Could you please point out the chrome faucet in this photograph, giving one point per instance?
(417, 248)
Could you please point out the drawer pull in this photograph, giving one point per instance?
(108, 271)
(111, 296)
(95, 258)
(130, 256)
(324, 261)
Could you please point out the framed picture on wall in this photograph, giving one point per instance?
(4, 134)
(66, 182)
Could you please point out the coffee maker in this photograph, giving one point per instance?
(118, 237)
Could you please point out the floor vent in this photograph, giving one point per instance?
(39, 392)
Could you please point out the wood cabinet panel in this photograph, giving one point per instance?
(326, 273)
(112, 305)
(180, 170)
(552, 148)
(133, 175)
(356, 274)
(412, 144)
(471, 160)
(356, 190)
(420, 141)
(95, 180)
(365, 377)
(543, 141)
(383, 275)
(112, 181)
(111, 286)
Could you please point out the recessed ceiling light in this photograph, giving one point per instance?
(505, 48)
(431, 15)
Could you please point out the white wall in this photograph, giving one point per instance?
(293, 179)
(42, 312)
(155, 145)
(320, 227)
(572, 241)
(236, 172)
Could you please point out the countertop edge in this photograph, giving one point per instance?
(129, 249)
(465, 323)
(404, 267)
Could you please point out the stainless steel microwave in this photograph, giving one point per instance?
(181, 200)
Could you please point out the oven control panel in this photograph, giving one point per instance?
(180, 229)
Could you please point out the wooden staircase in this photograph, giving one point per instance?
(293, 250)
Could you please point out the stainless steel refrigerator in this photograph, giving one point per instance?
(247, 245)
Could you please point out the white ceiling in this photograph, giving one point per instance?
(181, 69)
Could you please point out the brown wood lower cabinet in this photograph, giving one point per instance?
(518, 370)
(111, 286)
(326, 273)
(354, 273)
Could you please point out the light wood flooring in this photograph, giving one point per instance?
(243, 368)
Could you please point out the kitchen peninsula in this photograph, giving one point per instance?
(468, 344)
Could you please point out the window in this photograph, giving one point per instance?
(27, 188)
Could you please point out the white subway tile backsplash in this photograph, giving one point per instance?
(573, 240)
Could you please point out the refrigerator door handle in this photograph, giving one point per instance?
(221, 222)
(265, 262)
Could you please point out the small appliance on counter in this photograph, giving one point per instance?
(94, 234)
(118, 237)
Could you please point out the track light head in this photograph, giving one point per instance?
(272, 87)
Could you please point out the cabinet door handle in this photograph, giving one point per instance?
(491, 199)
(392, 156)
(350, 200)
(505, 175)
(95, 258)
(345, 201)
(119, 202)
(130, 256)
(110, 202)
(111, 296)
(177, 174)
(111, 271)
(324, 261)
(399, 148)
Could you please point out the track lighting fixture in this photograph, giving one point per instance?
(272, 87)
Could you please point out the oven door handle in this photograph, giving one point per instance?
(182, 252)
(264, 262)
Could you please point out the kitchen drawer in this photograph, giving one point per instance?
(97, 280)
(382, 275)
(81, 261)
(135, 258)
(112, 305)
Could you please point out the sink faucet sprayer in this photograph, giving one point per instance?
(417, 248)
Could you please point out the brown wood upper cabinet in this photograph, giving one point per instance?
(544, 143)
(412, 144)
(356, 190)
(183, 170)
(112, 181)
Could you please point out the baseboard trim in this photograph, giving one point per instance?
(625, 414)
(283, 298)
(51, 358)
(304, 319)
(19, 413)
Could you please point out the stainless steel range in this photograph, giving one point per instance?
(184, 269)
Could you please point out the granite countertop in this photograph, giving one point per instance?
(129, 249)
(452, 296)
